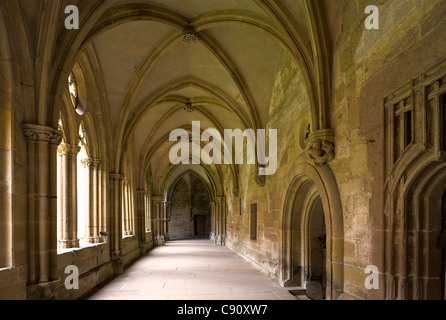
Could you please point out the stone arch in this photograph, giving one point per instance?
(310, 185)
(185, 210)
(414, 249)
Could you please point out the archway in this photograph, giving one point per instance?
(189, 202)
(313, 235)
(316, 275)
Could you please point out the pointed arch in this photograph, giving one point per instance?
(311, 183)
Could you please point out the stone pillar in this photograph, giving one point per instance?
(116, 191)
(103, 221)
(125, 207)
(157, 220)
(131, 215)
(140, 219)
(213, 221)
(220, 219)
(68, 197)
(92, 210)
(42, 143)
(166, 219)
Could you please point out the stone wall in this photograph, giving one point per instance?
(368, 66)
(180, 226)
(290, 115)
(187, 202)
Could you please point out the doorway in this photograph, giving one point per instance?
(200, 225)
(315, 276)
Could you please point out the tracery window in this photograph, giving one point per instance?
(73, 89)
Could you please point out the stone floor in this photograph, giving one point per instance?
(192, 270)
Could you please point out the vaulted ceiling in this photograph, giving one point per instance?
(165, 63)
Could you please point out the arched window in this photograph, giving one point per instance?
(82, 187)
(73, 89)
(128, 223)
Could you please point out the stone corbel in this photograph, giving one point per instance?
(320, 148)
(260, 179)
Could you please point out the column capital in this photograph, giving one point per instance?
(141, 192)
(116, 177)
(158, 199)
(38, 133)
(68, 149)
(89, 162)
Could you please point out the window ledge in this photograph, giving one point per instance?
(7, 269)
(85, 246)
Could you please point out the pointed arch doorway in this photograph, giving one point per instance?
(312, 238)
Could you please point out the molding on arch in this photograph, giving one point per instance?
(324, 181)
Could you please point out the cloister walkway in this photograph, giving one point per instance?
(192, 270)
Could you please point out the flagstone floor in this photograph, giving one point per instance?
(192, 270)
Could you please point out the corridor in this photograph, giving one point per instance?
(192, 270)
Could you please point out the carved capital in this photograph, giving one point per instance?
(141, 192)
(116, 177)
(320, 149)
(68, 149)
(236, 192)
(42, 134)
(90, 163)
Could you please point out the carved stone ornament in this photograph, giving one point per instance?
(90, 163)
(236, 192)
(260, 180)
(68, 149)
(42, 134)
(116, 177)
(190, 37)
(189, 108)
(320, 152)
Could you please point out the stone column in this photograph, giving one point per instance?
(124, 208)
(157, 220)
(220, 217)
(92, 210)
(131, 214)
(166, 219)
(68, 199)
(116, 191)
(140, 219)
(213, 221)
(42, 209)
